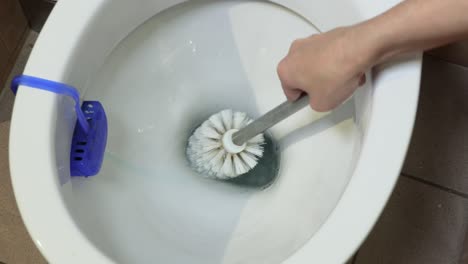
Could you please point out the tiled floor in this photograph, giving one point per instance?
(426, 219)
(421, 224)
(439, 149)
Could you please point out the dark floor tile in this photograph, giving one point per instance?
(4, 56)
(464, 255)
(37, 12)
(6, 96)
(13, 25)
(352, 260)
(439, 147)
(456, 53)
(420, 225)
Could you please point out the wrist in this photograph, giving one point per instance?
(372, 44)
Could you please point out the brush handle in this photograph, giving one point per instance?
(269, 119)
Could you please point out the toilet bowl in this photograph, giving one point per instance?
(162, 67)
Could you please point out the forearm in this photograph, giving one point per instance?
(329, 67)
(414, 25)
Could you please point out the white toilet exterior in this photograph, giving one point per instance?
(81, 36)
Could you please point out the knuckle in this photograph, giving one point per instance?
(281, 69)
(319, 106)
(295, 44)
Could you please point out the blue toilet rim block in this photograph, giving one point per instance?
(90, 135)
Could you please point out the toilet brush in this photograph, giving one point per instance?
(229, 143)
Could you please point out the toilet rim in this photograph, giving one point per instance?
(50, 228)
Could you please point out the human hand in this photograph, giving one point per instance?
(329, 67)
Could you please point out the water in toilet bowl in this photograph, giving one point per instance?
(163, 80)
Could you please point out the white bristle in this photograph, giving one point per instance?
(257, 139)
(254, 150)
(210, 132)
(239, 120)
(217, 123)
(249, 159)
(207, 154)
(226, 116)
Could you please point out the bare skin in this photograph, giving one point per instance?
(330, 66)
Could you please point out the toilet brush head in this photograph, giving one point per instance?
(212, 153)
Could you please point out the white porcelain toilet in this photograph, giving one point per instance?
(160, 68)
